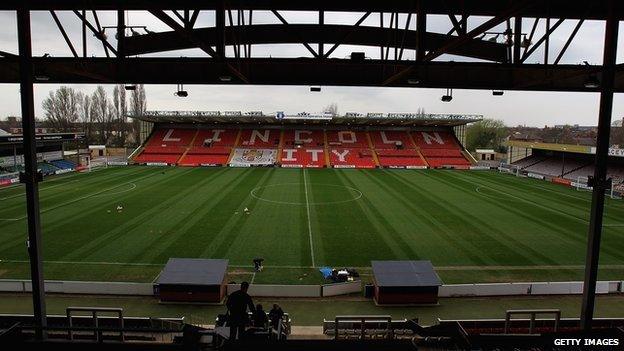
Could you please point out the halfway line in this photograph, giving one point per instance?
(305, 187)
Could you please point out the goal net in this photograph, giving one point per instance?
(581, 184)
(95, 164)
(509, 169)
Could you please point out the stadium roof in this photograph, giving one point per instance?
(510, 63)
(405, 274)
(193, 271)
(350, 118)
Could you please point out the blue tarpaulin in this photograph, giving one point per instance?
(326, 272)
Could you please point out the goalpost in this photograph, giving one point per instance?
(93, 165)
(509, 169)
(581, 184)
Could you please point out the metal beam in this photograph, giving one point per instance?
(553, 8)
(310, 71)
(220, 27)
(30, 176)
(458, 41)
(7, 54)
(84, 35)
(193, 19)
(565, 46)
(512, 11)
(541, 40)
(517, 39)
(600, 171)
(357, 24)
(421, 29)
(161, 15)
(63, 33)
(97, 32)
(307, 46)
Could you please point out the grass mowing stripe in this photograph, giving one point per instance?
(44, 210)
(501, 240)
(519, 198)
(305, 187)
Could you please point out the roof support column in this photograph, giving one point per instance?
(421, 29)
(220, 24)
(30, 177)
(600, 171)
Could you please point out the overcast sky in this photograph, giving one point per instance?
(529, 108)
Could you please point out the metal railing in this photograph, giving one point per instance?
(365, 321)
(532, 314)
(95, 311)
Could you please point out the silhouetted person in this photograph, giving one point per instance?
(260, 319)
(275, 314)
(237, 304)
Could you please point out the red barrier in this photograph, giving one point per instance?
(562, 181)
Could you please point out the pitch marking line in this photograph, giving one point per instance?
(41, 189)
(132, 187)
(477, 189)
(357, 197)
(305, 187)
(77, 199)
(441, 268)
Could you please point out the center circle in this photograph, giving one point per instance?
(348, 193)
(120, 190)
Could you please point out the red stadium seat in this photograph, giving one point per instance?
(166, 145)
(215, 137)
(440, 139)
(440, 149)
(304, 138)
(259, 138)
(346, 139)
(303, 157)
(387, 139)
(351, 158)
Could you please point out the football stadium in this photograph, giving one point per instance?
(128, 228)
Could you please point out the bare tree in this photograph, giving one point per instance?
(62, 108)
(120, 111)
(102, 115)
(331, 108)
(138, 106)
(85, 116)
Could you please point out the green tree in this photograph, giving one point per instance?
(487, 133)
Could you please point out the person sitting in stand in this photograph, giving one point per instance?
(275, 314)
(260, 319)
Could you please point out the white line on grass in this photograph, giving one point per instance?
(305, 187)
(78, 199)
(40, 189)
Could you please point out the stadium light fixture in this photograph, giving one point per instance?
(448, 96)
(181, 92)
(225, 78)
(413, 81)
(592, 81)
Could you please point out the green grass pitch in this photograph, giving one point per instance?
(475, 226)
